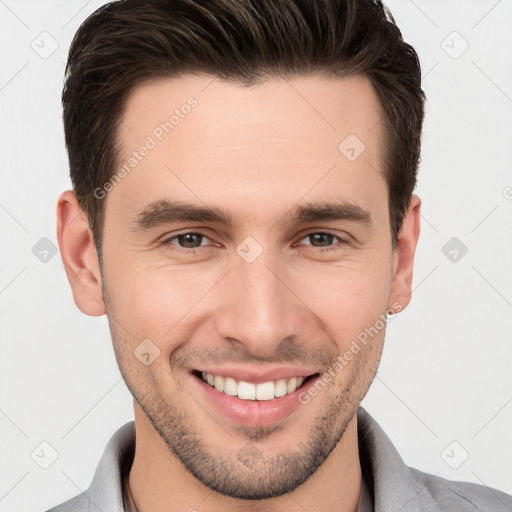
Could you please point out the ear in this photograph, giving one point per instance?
(403, 258)
(79, 255)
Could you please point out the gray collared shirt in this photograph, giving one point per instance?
(392, 486)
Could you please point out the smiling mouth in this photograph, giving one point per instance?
(249, 391)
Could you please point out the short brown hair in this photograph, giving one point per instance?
(126, 43)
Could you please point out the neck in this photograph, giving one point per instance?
(160, 482)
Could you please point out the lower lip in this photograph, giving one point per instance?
(253, 413)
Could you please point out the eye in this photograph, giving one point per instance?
(186, 242)
(323, 240)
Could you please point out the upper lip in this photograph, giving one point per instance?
(258, 375)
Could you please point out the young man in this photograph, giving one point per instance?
(243, 214)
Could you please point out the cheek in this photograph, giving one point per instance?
(347, 299)
(157, 302)
(150, 304)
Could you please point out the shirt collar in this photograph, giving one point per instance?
(392, 483)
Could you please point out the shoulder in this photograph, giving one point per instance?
(397, 486)
(80, 503)
(106, 490)
(455, 496)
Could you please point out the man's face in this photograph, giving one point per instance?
(267, 297)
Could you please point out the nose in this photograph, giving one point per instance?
(257, 307)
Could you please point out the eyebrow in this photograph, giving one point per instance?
(166, 211)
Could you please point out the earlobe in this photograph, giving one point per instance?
(403, 259)
(79, 255)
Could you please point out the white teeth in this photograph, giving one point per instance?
(292, 385)
(280, 388)
(219, 383)
(248, 391)
(265, 391)
(230, 386)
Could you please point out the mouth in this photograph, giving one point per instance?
(252, 404)
(261, 391)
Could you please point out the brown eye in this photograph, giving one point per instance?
(189, 240)
(186, 242)
(322, 240)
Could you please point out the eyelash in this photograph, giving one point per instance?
(168, 241)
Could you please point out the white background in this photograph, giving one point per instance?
(446, 371)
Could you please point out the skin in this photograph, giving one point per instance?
(294, 305)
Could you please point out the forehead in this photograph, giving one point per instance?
(293, 108)
(215, 140)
